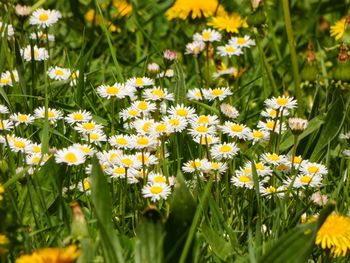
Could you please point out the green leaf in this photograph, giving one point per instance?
(101, 200)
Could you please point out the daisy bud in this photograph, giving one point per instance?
(256, 3)
(319, 199)
(169, 56)
(153, 68)
(297, 125)
(23, 10)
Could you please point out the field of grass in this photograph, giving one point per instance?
(174, 131)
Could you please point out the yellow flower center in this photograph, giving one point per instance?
(159, 179)
(270, 124)
(217, 92)
(78, 116)
(4, 81)
(282, 101)
(174, 122)
(203, 119)
(19, 144)
(36, 149)
(161, 127)
(133, 112)
(127, 161)
(121, 141)
(258, 134)
(22, 117)
(241, 41)
(205, 140)
(94, 136)
(89, 126)
(158, 93)
(86, 185)
(270, 189)
(313, 169)
(36, 159)
(202, 129)
(306, 179)
(230, 49)
(273, 157)
(244, 179)
(50, 114)
(70, 157)
(215, 165)
(195, 164)
(113, 156)
(119, 170)
(259, 166)
(43, 17)
(155, 189)
(273, 113)
(182, 112)
(111, 90)
(59, 72)
(297, 160)
(139, 81)
(236, 128)
(143, 159)
(146, 127)
(225, 148)
(206, 35)
(143, 105)
(142, 141)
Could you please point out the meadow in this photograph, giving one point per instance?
(174, 131)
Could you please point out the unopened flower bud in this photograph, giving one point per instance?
(297, 125)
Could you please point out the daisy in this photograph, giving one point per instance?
(44, 18)
(297, 161)
(40, 54)
(268, 191)
(78, 116)
(146, 158)
(175, 123)
(18, 144)
(217, 93)
(23, 10)
(207, 35)
(95, 137)
(70, 156)
(243, 181)
(258, 136)
(156, 178)
(157, 94)
(142, 141)
(313, 168)
(297, 125)
(130, 113)
(129, 161)
(229, 111)
(242, 42)
(88, 127)
(143, 126)
(194, 94)
(169, 73)
(41, 36)
(261, 169)
(217, 167)
(144, 106)
(139, 82)
(273, 114)
(5, 79)
(53, 115)
(195, 48)
(153, 68)
(281, 102)
(181, 111)
(231, 72)
(224, 151)
(6, 29)
(204, 120)
(73, 78)
(6, 125)
(85, 186)
(87, 150)
(304, 180)
(19, 118)
(58, 73)
(207, 139)
(117, 171)
(229, 50)
(34, 149)
(120, 141)
(271, 125)
(37, 159)
(169, 55)
(114, 91)
(156, 191)
(199, 130)
(235, 130)
(196, 165)
(110, 157)
(4, 109)
(273, 158)
(160, 128)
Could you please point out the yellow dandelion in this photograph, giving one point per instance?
(197, 8)
(231, 23)
(334, 234)
(338, 29)
(123, 8)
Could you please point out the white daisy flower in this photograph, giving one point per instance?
(195, 48)
(85, 186)
(297, 125)
(204, 120)
(307, 180)
(142, 141)
(274, 159)
(110, 157)
(229, 50)
(34, 149)
(87, 150)
(144, 106)
(143, 126)
(118, 171)
(58, 73)
(88, 127)
(6, 125)
(146, 158)
(181, 111)
(4, 109)
(18, 144)
(78, 116)
(40, 54)
(19, 118)
(139, 82)
(208, 139)
(169, 73)
(261, 169)
(154, 177)
(207, 35)
(281, 102)
(232, 129)
(153, 68)
(224, 151)
(272, 113)
(53, 115)
(243, 181)
(229, 111)
(242, 42)
(117, 90)
(297, 161)
(258, 136)
(194, 94)
(129, 161)
(202, 130)
(313, 168)
(156, 191)
(44, 18)
(196, 165)
(5, 79)
(175, 123)
(95, 137)
(130, 113)
(37, 159)
(70, 156)
(217, 93)
(157, 94)
(271, 125)
(160, 128)
(41, 36)
(217, 167)
(268, 191)
(120, 141)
